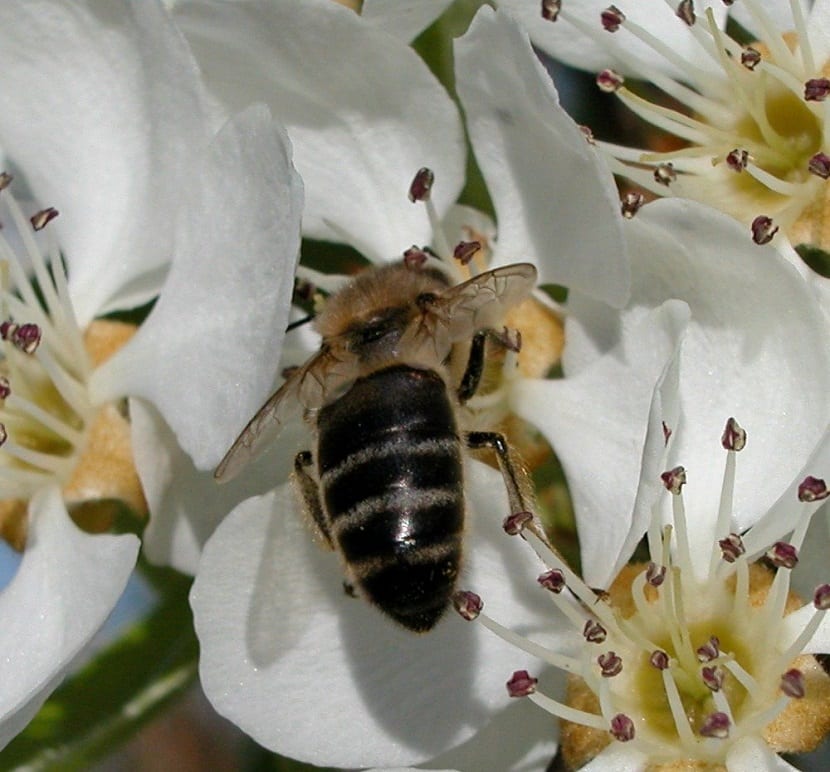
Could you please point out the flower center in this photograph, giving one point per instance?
(677, 658)
(44, 365)
(47, 419)
(753, 123)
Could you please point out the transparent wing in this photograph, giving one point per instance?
(306, 388)
(476, 304)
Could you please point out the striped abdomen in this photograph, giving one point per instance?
(390, 467)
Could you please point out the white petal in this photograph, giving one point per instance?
(278, 635)
(581, 415)
(65, 587)
(208, 354)
(812, 569)
(621, 50)
(405, 19)
(102, 114)
(186, 504)
(362, 109)
(521, 737)
(752, 753)
(793, 625)
(617, 757)
(786, 512)
(818, 28)
(778, 13)
(755, 332)
(555, 200)
(663, 415)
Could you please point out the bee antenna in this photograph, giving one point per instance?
(300, 322)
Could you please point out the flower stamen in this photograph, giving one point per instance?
(695, 663)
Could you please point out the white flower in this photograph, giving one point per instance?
(105, 120)
(696, 655)
(278, 636)
(751, 117)
(725, 333)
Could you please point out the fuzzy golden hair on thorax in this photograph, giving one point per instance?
(393, 286)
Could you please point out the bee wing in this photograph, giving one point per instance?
(476, 304)
(304, 388)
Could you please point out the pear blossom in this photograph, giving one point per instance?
(678, 665)
(125, 181)
(749, 113)
(361, 129)
(278, 634)
(726, 334)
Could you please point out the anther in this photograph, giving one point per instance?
(664, 174)
(709, 651)
(659, 659)
(588, 134)
(611, 18)
(716, 725)
(819, 165)
(655, 575)
(4, 435)
(303, 291)
(5, 387)
(42, 218)
(467, 604)
(734, 436)
(609, 81)
(750, 57)
(622, 728)
(25, 337)
(521, 684)
(465, 251)
(812, 489)
(510, 339)
(610, 664)
(732, 547)
(515, 524)
(594, 632)
(821, 597)
(551, 9)
(674, 480)
(737, 160)
(763, 229)
(792, 684)
(782, 555)
(5, 180)
(667, 432)
(631, 204)
(686, 12)
(415, 257)
(816, 89)
(712, 677)
(421, 185)
(553, 580)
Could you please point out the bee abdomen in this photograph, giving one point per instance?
(390, 469)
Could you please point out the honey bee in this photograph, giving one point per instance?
(384, 484)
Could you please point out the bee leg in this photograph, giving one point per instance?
(475, 361)
(311, 494)
(515, 477)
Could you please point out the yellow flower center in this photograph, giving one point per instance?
(50, 431)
